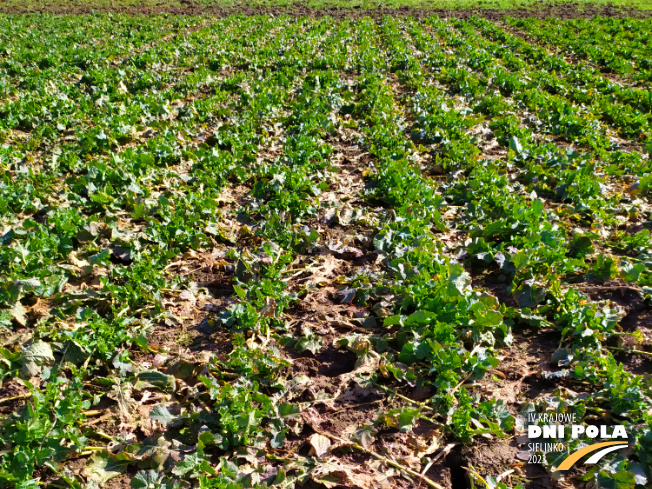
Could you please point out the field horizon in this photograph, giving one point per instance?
(355, 8)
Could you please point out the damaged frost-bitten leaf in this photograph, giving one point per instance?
(34, 358)
(155, 452)
(319, 444)
(309, 342)
(458, 279)
(121, 393)
(162, 415)
(156, 379)
(333, 473)
(364, 435)
(562, 357)
(146, 480)
(103, 466)
(18, 313)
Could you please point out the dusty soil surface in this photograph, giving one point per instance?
(561, 11)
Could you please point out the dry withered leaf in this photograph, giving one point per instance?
(319, 444)
(334, 473)
(121, 392)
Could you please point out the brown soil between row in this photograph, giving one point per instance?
(300, 9)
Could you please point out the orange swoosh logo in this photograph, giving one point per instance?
(575, 456)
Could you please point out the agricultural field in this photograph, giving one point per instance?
(323, 252)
